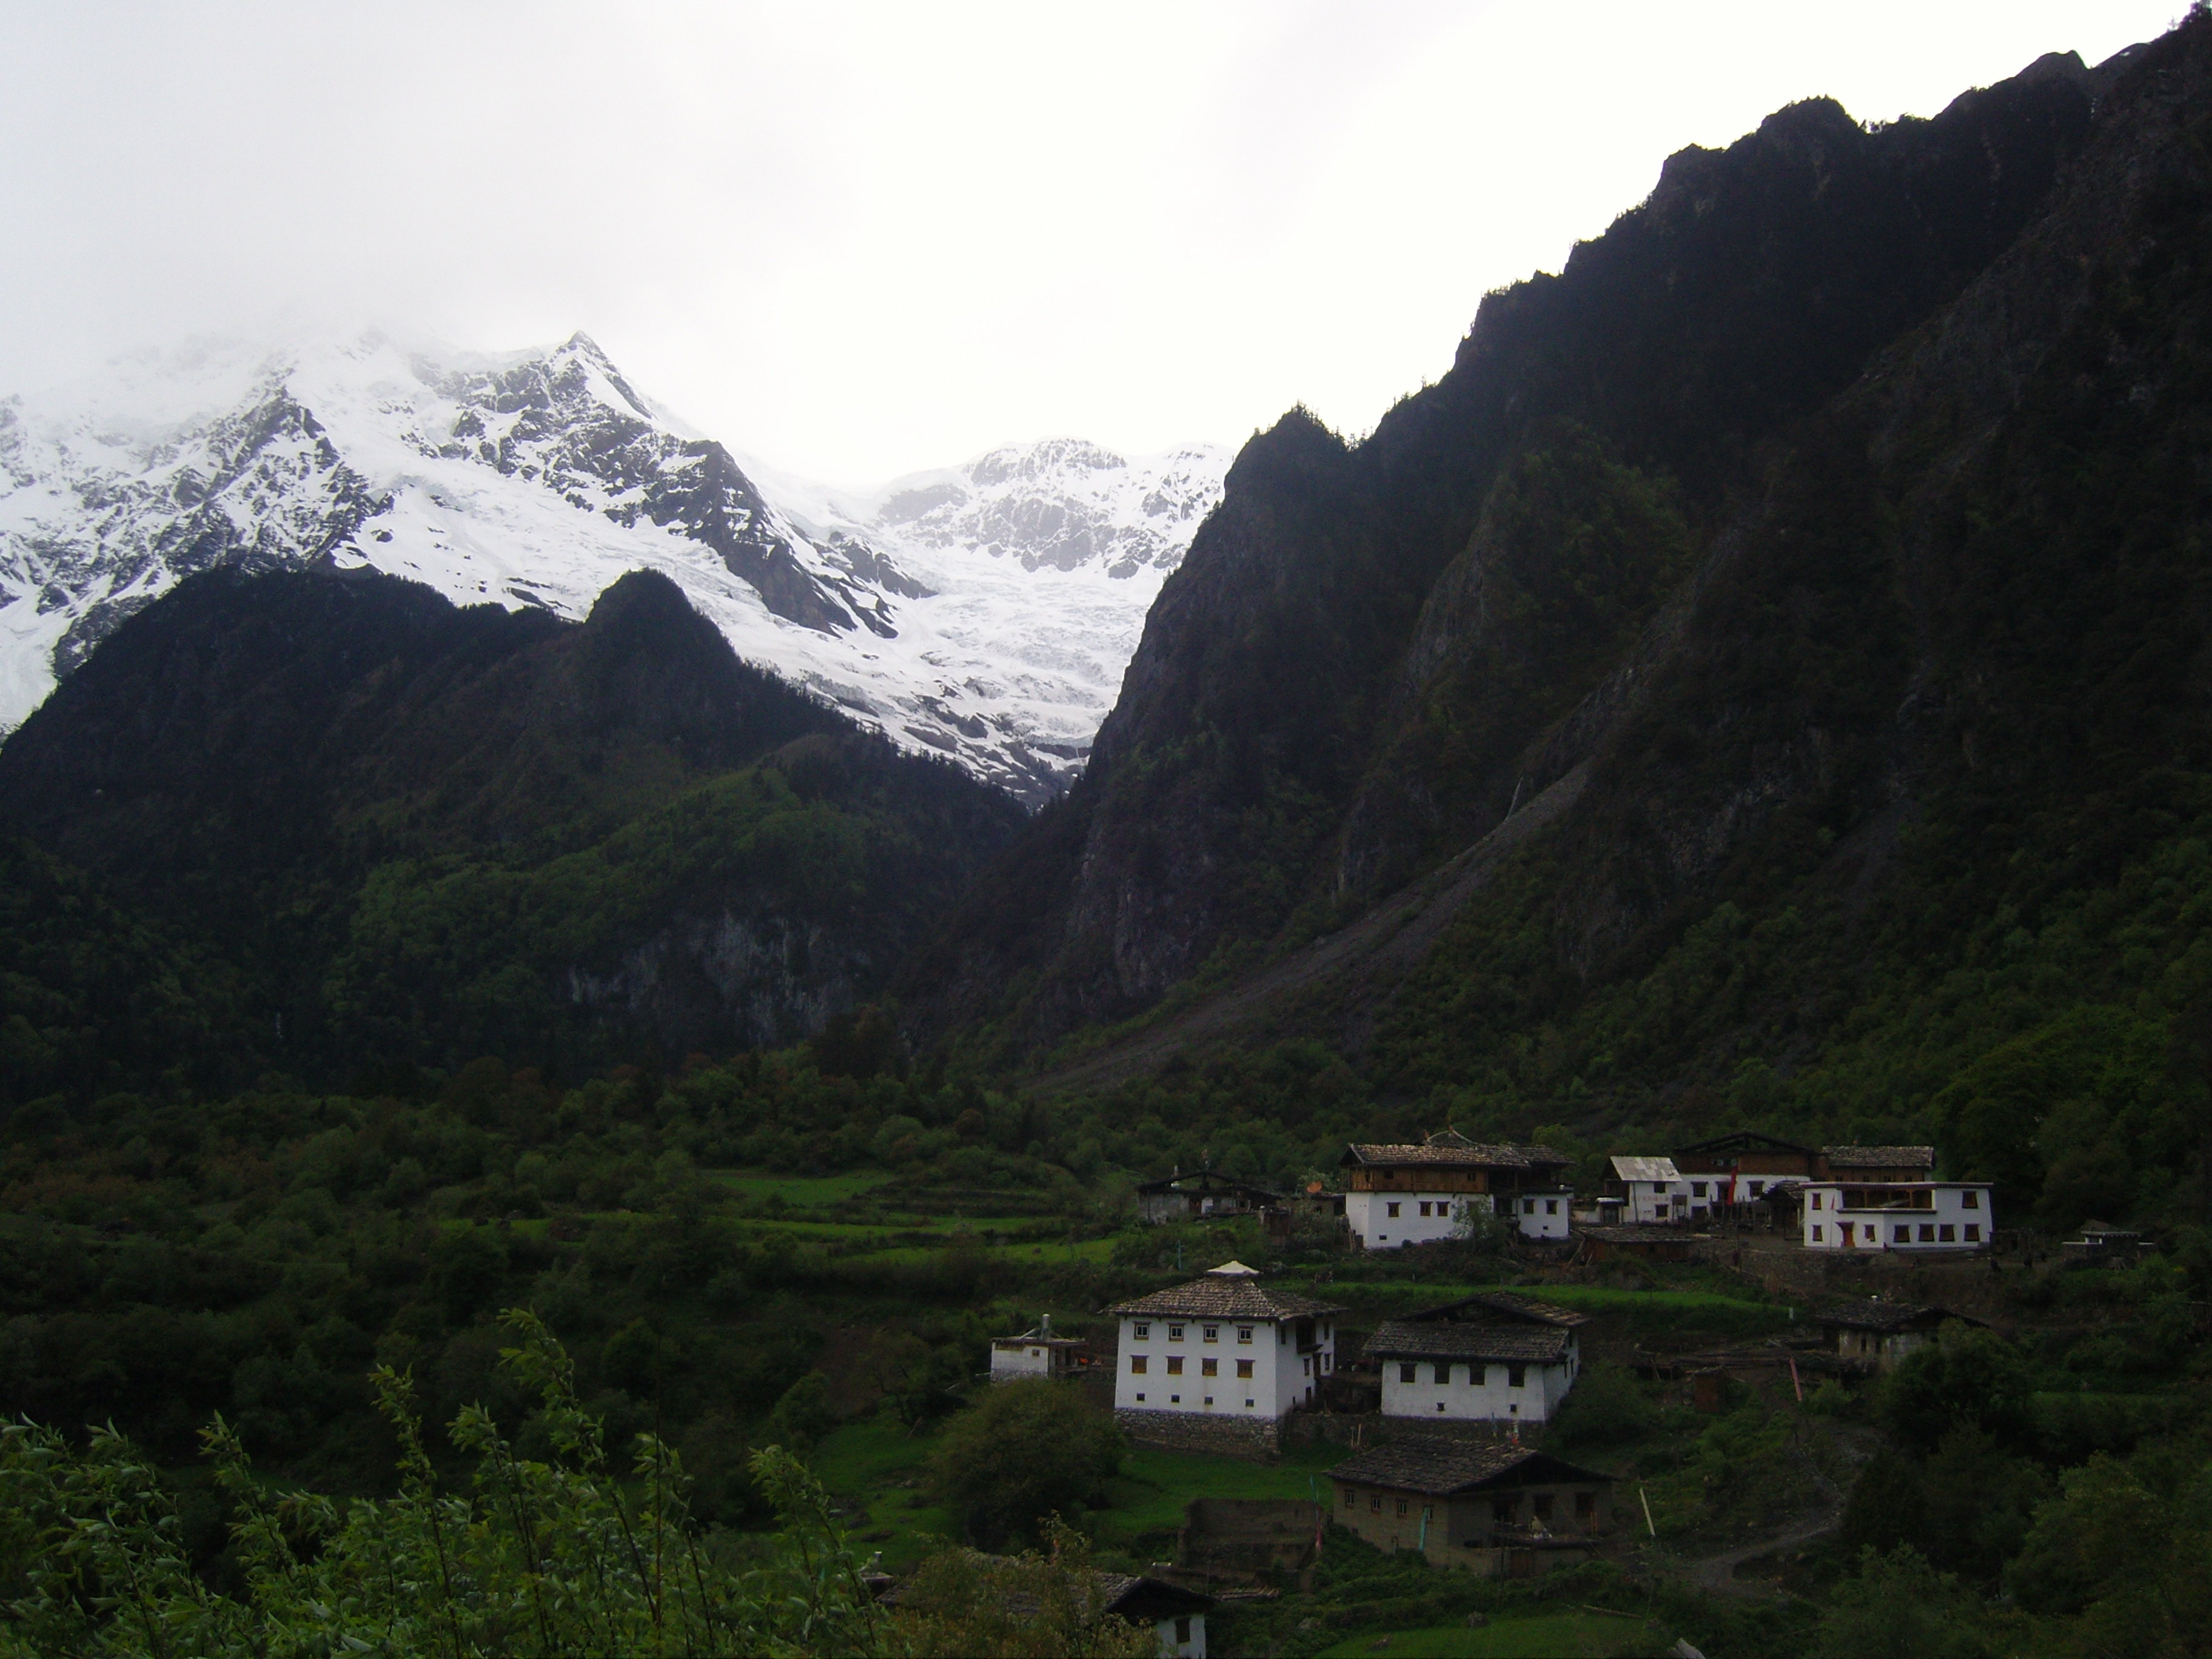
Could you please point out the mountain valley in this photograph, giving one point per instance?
(743, 996)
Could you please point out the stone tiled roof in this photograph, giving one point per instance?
(1887, 1317)
(1225, 1296)
(1646, 1168)
(1472, 1308)
(1128, 1594)
(1439, 1469)
(1412, 1339)
(1460, 1152)
(1205, 1182)
(1879, 1158)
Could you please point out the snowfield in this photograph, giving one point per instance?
(985, 611)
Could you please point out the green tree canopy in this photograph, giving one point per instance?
(1025, 1451)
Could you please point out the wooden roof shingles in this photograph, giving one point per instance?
(1458, 1151)
(1411, 1339)
(1445, 1469)
(1486, 1306)
(1887, 1317)
(1225, 1296)
(1880, 1158)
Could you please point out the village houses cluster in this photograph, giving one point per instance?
(1225, 1361)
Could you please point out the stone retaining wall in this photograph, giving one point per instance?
(1364, 1429)
(1235, 1436)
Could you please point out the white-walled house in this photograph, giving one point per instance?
(1036, 1352)
(1396, 1195)
(1906, 1215)
(1175, 1613)
(1492, 1357)
(1647, 1190)
(1220, 1361)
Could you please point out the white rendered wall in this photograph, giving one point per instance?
(1543, 1215)
(1280, 1380)
(1490, 1399)
(1193, 1649)
(1009, 1363)
(1823, 1226)
(1368, 1215)
(1297, 1376)
(1654, 1200)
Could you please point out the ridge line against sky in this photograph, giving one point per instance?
(859, 240)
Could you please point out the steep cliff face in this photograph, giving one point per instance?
(411, 830)
(1356, 670)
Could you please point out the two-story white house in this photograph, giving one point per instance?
(1221, 1361)
(1396, 1195)
(1492, 1357)
(1899, 1215)
(1645, 1190)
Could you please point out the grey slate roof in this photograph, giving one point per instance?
(1409, 1339)
(1459, 1154)
(1440, 1469)
(1133, 1597)
(1645, 1169)
(1887, 1317)
(1225, 1296)
(1879, 1158)
(1510, 1304)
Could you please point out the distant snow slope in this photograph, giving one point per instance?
(984, 612)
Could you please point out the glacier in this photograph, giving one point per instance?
(984, 612)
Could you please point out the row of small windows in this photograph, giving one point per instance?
(1516, 1376)
(1140, 1364)
(1441, 1209)
(1939, 1232)
(1968, 1199)
(1176, 1400)
(1141, 1330)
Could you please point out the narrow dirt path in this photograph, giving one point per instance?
(1716, 1573)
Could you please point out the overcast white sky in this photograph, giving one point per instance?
(857, 240)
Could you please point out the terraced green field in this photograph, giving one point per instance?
(1552, 1636)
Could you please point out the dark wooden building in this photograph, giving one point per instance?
(1496, 1508)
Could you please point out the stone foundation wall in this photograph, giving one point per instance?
(1235, 1436)
(1364, 1429)
(1969, 1284)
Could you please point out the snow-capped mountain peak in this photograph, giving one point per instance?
(984, 612)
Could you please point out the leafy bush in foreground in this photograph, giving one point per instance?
(558, 1557)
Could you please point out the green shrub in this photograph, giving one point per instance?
(1025, 1451)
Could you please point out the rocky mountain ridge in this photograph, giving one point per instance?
(984, 613)
(1632, 539)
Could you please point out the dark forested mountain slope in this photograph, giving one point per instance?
(1596, 747)
(407, 831)
(1336, 687)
